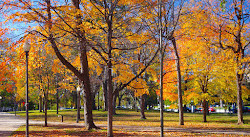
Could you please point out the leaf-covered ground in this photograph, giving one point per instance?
(69, 130)
(75, 131)
(128, 123)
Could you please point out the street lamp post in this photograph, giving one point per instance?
(161, 66)
(26, 48)
(78, 89)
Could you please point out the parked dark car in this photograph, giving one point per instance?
(187, 109)
(246, 109)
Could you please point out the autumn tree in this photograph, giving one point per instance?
(35, 12)
(114, 15)
(233, 20)
(172, 11)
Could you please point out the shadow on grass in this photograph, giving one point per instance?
(67, 130)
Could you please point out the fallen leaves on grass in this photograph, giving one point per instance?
(73, 131)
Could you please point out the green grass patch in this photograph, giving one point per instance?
(130, 117)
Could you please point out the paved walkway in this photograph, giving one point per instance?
(10, 123)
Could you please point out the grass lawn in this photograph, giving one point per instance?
(132, 118)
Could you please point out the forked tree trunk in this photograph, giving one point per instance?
(239, 51)
(84, 74)
(88, 116)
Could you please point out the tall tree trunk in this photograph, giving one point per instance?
(40, 103)
(181, 119)
(114, 102)
(142, 105)
(241, 54)
(110, 82)
(46, 107)
(43, 102)
(105, 95)
(57, 101)
(105, 89)
(93, 102)
(88, 116)
(204, 105)
(119, 100)
(239, 98)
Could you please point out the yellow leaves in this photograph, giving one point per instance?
(94, 62)
(139, 86)
(173, 106)
(154, 75)
(130, 2)
(245, 60)
(66, 85)
(205, 96)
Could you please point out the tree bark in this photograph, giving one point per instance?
(142, 105)
(84, 74)
(119, 99)
(239, 98)
(40, 103)
(57, 101)
(88, 116)
(46, 107)
(204, 105)
(239, 51)
(105, 96)
(84, 77)
(43, 102)
(93, 101)
(114, 102)
(110, 82)
(181, 119)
